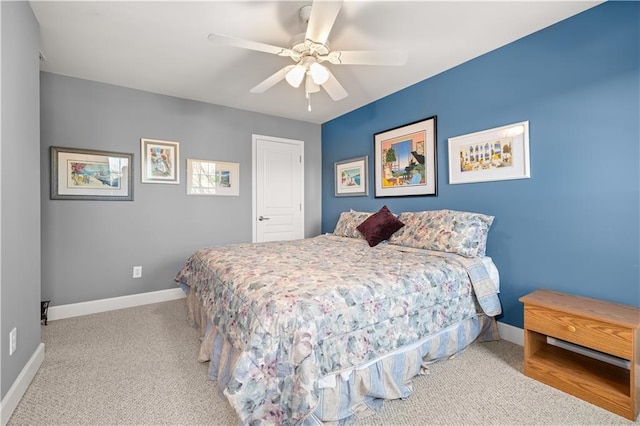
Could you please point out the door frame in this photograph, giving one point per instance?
(254, 175)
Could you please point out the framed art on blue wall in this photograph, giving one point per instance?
(405, 160)
(351, 177)
(86, 174)
(501, 153)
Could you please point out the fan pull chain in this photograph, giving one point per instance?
(308, 95)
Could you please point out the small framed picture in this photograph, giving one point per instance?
(160, 161)
(501, 153)
(351, 177)
(86, 174)
(207, 177)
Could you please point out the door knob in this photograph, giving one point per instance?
(261, 218)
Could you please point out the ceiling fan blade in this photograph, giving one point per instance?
(334, 88)
(323, 15)
(248, 44)
(366, 57)
(272, 81)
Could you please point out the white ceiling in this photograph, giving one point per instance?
(162, 47)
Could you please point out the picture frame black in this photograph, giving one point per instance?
(406, 160)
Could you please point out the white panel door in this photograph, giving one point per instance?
(278, 189)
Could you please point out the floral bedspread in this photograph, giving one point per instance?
(298, 310)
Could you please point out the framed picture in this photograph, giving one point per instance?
(212, 178)
(501, 153)
(351, 177)
(405, 160)
(160, 161)
(84, 174)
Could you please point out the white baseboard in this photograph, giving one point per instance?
(19, 387)
(111, 304)
(511, 334)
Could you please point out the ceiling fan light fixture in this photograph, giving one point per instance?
(295, 76)
(311, 86)
(319, 73)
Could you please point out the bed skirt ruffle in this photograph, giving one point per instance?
(349, 395)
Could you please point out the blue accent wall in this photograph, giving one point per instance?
(574, 225)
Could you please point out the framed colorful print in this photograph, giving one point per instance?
(160, 161)
(501, 153)
(351, 177)
(84, 174)
(212, 178)
(405, 160)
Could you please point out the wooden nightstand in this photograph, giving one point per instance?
(611, 329)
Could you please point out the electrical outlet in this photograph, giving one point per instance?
(137, 272)
(13, 340)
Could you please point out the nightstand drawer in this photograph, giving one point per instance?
(602, 336)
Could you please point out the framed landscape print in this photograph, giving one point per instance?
(405, 160)
(351, 177)
(205, 177)
(501, 153)
(160, 161)
(85, 174)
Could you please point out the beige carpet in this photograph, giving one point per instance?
(138, 366)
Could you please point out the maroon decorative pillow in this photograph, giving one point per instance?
(379, 226)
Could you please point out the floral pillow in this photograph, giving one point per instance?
(379, 226)
(348, 223)
(450, 231)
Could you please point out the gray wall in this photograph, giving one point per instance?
(19, 189)
(90, 247)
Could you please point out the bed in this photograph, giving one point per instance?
(322, 330)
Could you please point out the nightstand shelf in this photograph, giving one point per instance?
(607, 330)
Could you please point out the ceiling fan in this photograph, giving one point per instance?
(309, 50)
